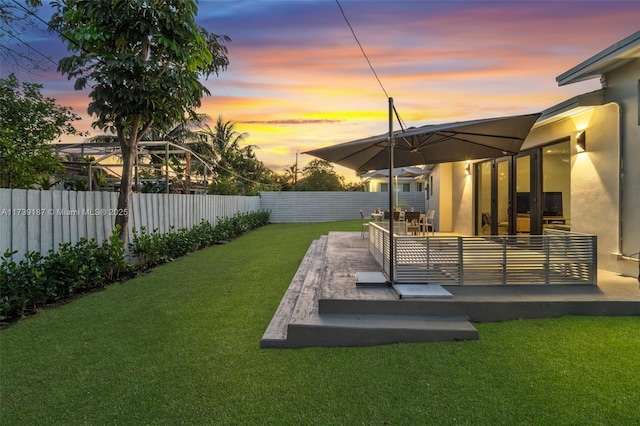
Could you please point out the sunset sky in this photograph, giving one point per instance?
(297, 79)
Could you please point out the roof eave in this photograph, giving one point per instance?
(571, 106)
(612, 57)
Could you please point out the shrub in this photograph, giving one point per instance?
(38, 280)
(155, 248)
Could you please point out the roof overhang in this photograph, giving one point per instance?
(570, 107)
(609, 59)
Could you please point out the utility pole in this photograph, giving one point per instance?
(295, 171)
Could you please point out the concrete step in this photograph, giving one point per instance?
(369, 330)
(305, 281)
(421, 307)
(300, 321)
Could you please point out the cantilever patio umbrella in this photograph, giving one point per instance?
(431, 144)
(440, 143)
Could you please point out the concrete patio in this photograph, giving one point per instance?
(324, 307)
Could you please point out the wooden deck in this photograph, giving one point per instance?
(324, 307)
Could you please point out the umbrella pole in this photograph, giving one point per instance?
(391, 204)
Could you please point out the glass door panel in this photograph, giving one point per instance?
(483, 200)
(502, 198)
(523, 200)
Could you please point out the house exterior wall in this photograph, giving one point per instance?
(623, 87)
(595, 174)
(444, 188)
(463, 201)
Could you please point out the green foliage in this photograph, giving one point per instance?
(237, 169)
(15, 20)
(28, 123)
(155, 248)
(143, 61)
(38, 280)
(319, 175)
(225, 185)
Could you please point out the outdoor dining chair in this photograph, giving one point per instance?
(429, 221)
(412, 220)
(365, 224)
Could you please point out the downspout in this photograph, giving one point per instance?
(620, 254)
(392, 278)
(620, 176)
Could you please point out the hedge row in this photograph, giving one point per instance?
(39, 280)
(151, 249)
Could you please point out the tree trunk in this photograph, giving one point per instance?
(122, 214)
(187, 174)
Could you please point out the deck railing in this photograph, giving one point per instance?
(556, 257)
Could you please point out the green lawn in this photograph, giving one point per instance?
(180, 345)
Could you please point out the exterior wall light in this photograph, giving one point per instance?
(581, 141)
(467, 169)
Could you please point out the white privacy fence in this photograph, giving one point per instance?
(327, 206)
(34, 220)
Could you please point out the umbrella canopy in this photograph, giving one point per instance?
(441, 143)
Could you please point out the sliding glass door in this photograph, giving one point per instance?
(493, 201)
(483, 198)
(524, 194)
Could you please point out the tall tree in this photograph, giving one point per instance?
(28, 123)
(320, 175)
(15, 19)
(237, 168)
(225, 143)
(143, 60)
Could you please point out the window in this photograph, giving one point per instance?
(406, 187)
(419, 186)
(384, 187)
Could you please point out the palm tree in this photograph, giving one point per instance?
(224, 143)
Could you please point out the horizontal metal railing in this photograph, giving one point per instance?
(557, 257)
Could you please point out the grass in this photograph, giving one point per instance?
(180, 345)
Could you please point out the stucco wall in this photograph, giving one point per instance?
(462, 203)
(594, 175)
(623, 87)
